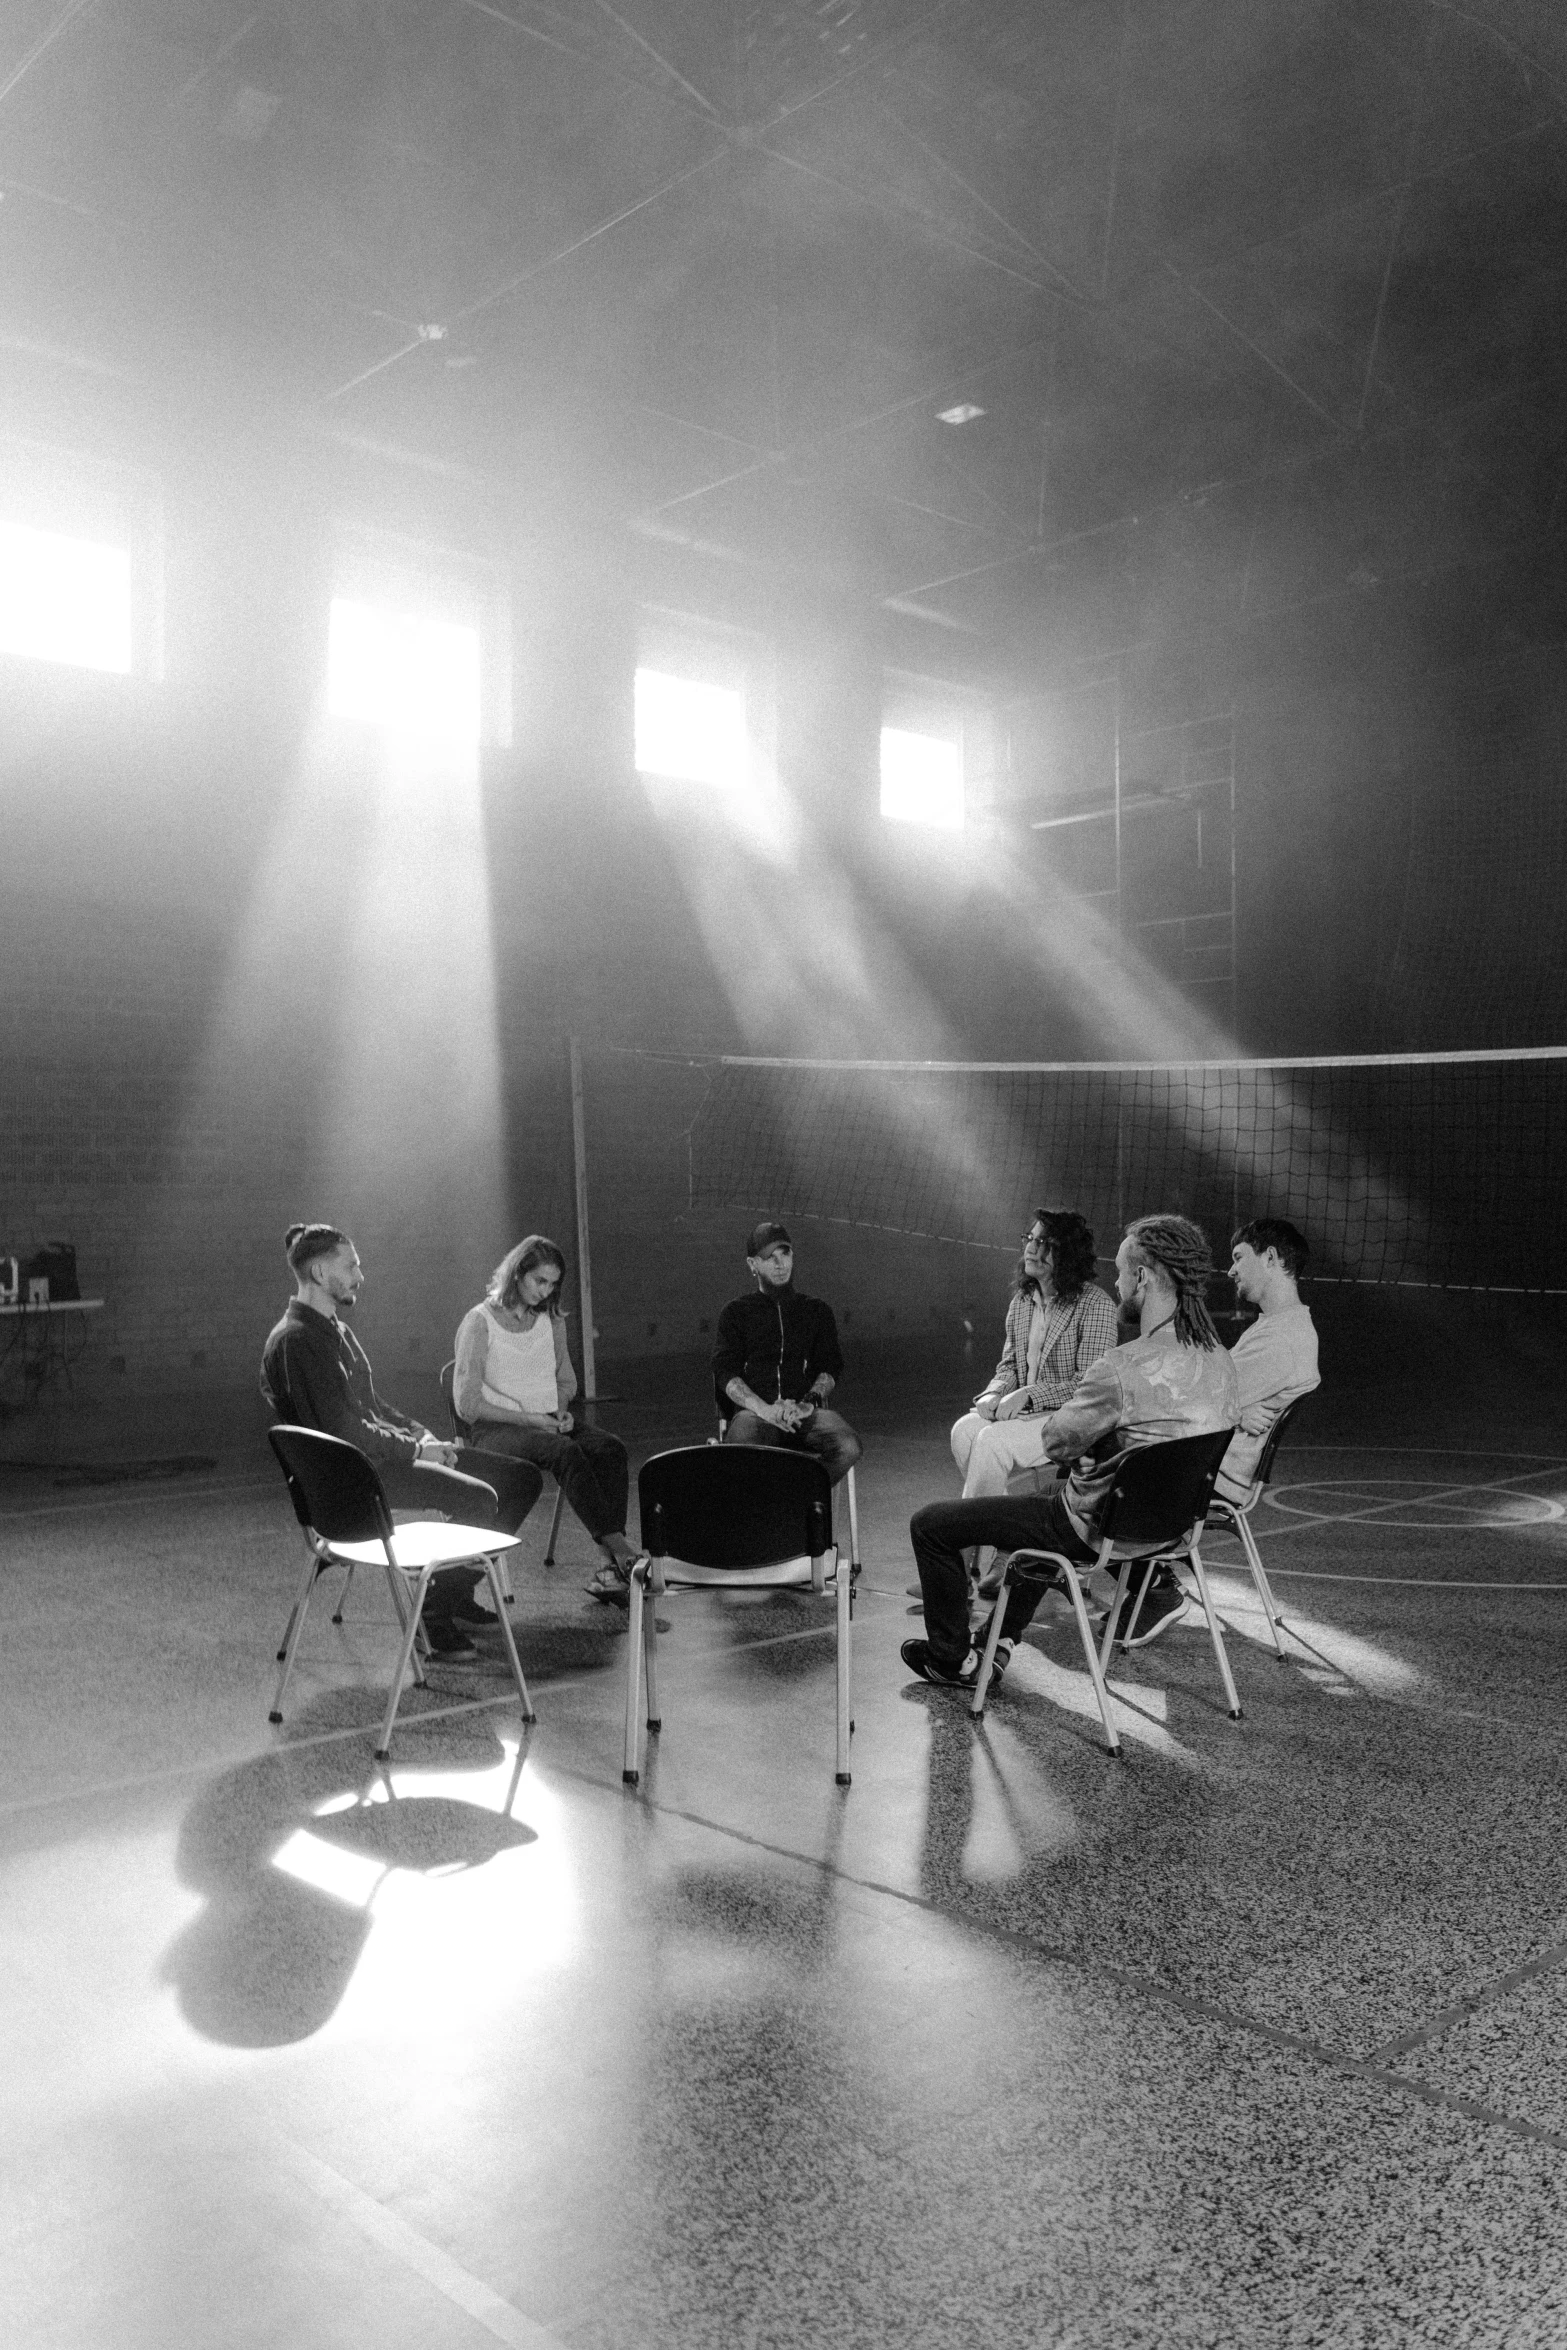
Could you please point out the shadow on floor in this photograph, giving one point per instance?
(289, 1851)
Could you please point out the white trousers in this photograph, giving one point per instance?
(988, 1452)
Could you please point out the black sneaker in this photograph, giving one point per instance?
(450, 1645)
(921, 1658)
(1165, 1605)
(473, 1617)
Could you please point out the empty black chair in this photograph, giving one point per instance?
(728, 1517)
(1155, 1506)
(342, 1507)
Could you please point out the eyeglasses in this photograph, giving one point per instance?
(1035, 1240)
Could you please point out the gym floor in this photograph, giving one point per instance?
(1254, 2036)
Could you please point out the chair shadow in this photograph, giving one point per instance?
(267, 1960)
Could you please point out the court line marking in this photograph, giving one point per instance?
(1418, 1494)
(23, 1804)
(1401, 1582)
(1303, 1524)
(1442, 1452)
(1187, 2003)
(1426, 2034)
(143, 1500)
(499, 2317)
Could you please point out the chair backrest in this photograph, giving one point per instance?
(734, 1505)
(461, 1429)
(1270, 1443)
(1161, 1491)
(334, 1489)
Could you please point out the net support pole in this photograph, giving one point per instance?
(579, 1169)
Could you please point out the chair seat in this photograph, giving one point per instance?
(786, 1575)
(428, 1545)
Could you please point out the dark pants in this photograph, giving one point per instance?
(826, 1434)
(589, 1466)
(943, 1530)
(486, 1491)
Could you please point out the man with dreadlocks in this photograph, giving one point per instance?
(1173, 1379)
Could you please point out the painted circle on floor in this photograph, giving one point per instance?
(1417, 1504)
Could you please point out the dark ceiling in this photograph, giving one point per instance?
(1262, 299)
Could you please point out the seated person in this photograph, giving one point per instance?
(1058, 1323)
(1275, 1357)
(776, 1361)
(315, 1374)
(514, 1384)
(1173, 1379)
(1275, 1361)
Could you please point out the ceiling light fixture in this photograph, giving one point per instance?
(964, 413)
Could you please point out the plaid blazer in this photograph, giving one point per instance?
(1072, 1337)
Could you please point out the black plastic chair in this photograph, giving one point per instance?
(342, 1507)
(1230, 1517)
(732, 1517)
(1155, 1507)
(726, 1412)
(463, 1431)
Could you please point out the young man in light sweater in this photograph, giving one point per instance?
(1275, 1357)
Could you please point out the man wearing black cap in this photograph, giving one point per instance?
(777, 1360)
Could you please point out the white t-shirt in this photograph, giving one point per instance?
(1275, 1361)
(519, 1366)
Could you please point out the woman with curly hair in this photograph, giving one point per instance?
(1058, 1323)
(514, 1384)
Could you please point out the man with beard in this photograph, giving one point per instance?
(315, 1374)
(776, 1361)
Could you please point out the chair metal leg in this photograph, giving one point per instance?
(843, 1584)
(383, 1752)
(1085, 1632)
(655, 1720)
(492, 1577)
(987, 1662)
(1215, 1634)
(1122, 1582)
(854, 1524)
(421, 1646)
(629, 1770)
(560, 1504)
(1137, 1605)
(342, 1597)
(1264, 1590)
(296, 1625)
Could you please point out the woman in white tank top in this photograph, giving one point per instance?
(514, 1383)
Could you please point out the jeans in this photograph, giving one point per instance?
(943, 1530)
(486, 1491)
(589, 1466)
(826, 1434)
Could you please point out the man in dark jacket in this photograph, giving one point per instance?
(777, 1360)
(315, 1374)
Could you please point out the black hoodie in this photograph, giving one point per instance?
(778, 1341)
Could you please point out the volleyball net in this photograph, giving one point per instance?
(1437, 1170)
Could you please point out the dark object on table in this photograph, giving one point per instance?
(55, 1263)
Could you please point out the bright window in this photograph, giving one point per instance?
(403, 672)
(921, 779)
(695, 732)
(64, 599)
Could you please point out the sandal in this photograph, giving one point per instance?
(611, 1583)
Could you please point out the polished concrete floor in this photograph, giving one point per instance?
(1257, 2037)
